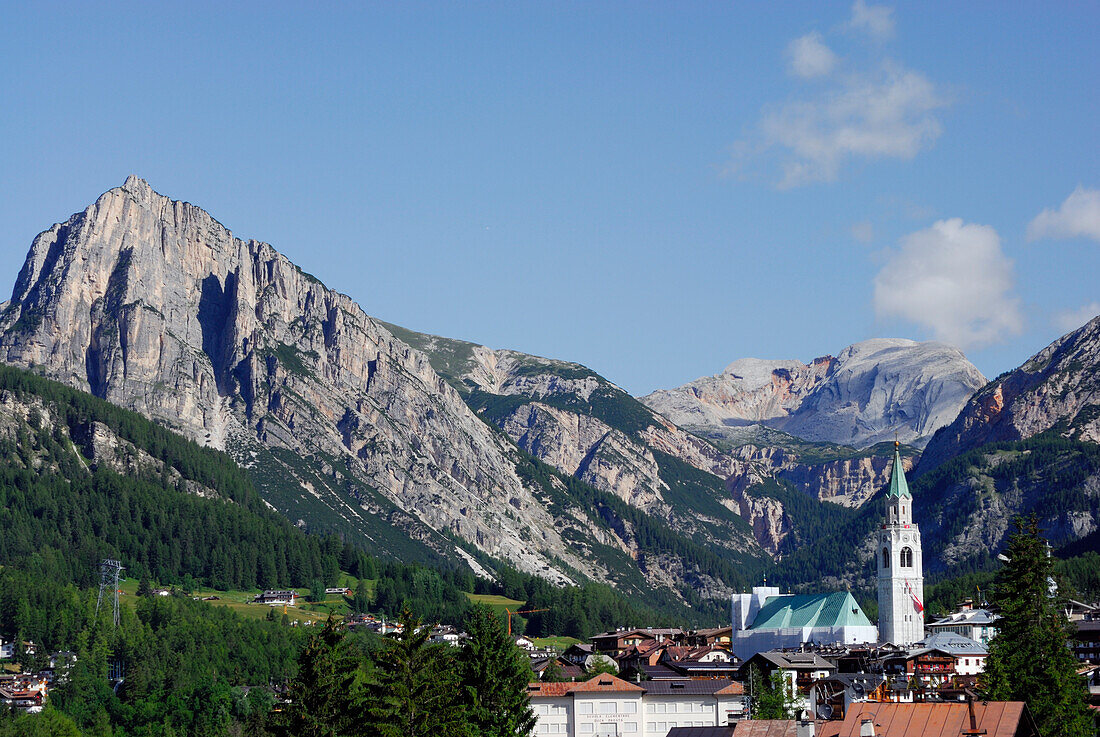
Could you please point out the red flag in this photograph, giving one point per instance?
(916, 602)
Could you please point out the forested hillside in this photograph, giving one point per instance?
(81, 480)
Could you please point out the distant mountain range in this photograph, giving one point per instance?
(425, 448)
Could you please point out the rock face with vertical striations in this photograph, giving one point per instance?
(153, 305)
(867, 394)
(575, 420)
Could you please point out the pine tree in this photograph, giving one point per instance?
(414, 690)
(144, 587)
(322, 692)
(495, 675)
(1029, 659)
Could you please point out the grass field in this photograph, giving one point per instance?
(241, 602)
(560, 643)
(498, 603)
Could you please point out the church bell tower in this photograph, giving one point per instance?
(900, 568)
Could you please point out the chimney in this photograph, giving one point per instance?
(867, 728)
(806, 728)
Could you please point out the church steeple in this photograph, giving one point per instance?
(900, 567)
(899, 502)
(898, 485)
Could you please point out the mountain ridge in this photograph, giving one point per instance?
(871, 392)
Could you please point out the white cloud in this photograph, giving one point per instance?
(808, 56)
(954, 280)
(877, 21)
(864, 232)
(1078, 216)
(1073, 319)
(890, 114)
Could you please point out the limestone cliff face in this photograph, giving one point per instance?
(848, 482)
(1057, 387)
(865, 395)
(570, 417)
(153, 305)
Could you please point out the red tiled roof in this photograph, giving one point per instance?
(734, 689)
(996, 718)
(605, 682)
(547, 690)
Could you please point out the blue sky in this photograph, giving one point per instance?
(651, 189)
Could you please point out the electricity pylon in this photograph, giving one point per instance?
(110, 571)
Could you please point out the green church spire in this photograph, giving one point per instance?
(898, 484)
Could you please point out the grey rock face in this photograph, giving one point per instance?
(571, 418)
(865, 395)
(1060, 385)
(153, 305)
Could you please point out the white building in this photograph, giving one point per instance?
(607, 706)
(900, 566)
(277, 598)
(969, 654)
(977, 624)
(767, 620)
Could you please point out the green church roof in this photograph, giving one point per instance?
(898, 484)
(838, 609)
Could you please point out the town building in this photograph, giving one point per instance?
(977, 624)
(799, 670)
(900, 565)
(277, 598)
(767, 620)
(1085, 640)
(615, 643)
(969, 655)
(607, 706)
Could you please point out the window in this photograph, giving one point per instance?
(588, 728)
(607, 707)
(630, 708)
(585, 707)
(906, 557)
(885, 558)
(629, 727)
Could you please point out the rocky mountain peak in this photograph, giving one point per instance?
(864, 395)
(1057, 388)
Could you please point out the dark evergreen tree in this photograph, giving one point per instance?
(144, 587)
(495, 674)
(1029, 659)
(322, 693)
(414, 689)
